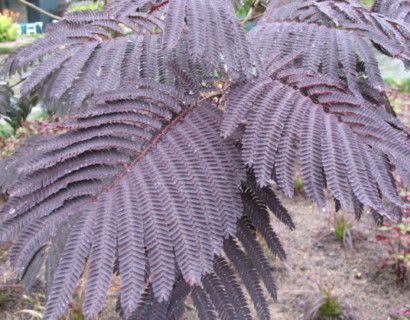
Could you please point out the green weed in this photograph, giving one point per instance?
(322, 302)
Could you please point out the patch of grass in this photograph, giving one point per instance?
(299, 186)
(9, 49)
(25, 40)
(10, 295)
(5, 130)
(2, 298)
(402, 83)
(344, 230)
(86, 5)
(75, 312)
(32, 37)
(340, 226)
(323, 303)
(242, 11)
(367, 3)
(330, 307)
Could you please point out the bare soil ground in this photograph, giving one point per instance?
(312, 253)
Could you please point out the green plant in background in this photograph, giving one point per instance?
(5, 130)
(2, 298)
(23, 40)
(8, 29)
(28, 129)
(394, 73)
(397, 237)
(9, 49)
(402, 83)
(75, 312)
(367, 3)
(403, 313)
(242, 8)
(344, 230)
(87, 5)
(324, 303)
(330, 306)
(12, 110)
(341, 227)
(9, 294)
(299, 186)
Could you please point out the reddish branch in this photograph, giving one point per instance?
(159, 136)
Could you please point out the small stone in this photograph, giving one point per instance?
(319, 245)
(358, 275)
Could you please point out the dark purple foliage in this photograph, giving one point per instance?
(180, 128)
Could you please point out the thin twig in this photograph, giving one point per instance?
(17, 83)
(251, 11)
(255, 17)
(28, 4)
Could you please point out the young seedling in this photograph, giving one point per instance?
(397, 237)
(345, 230)
(323, 303)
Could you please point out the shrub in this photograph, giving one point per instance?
(8, 29)
(177, 132)
(403, 312)
(12, 14)
(86, 5)
(397, 236)
(14, 111)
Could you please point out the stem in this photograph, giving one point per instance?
(17, 83)
(159, 136)
(28, 4)
(252, 9)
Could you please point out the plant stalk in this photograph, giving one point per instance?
(33, 6)
(249, 16)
